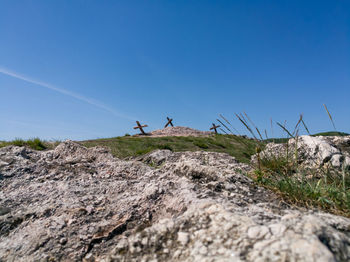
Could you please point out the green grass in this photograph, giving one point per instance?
(332, 133)
(322, 188)
(325, 188)
(34, 143)
(127, 146)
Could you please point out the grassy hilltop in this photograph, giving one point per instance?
(127, 146)
(121, 147)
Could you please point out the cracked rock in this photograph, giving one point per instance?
(78, 204)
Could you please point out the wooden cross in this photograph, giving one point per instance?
(139, 126)
(170, 121)
(214, 127)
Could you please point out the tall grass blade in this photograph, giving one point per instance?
(246, 121)
(222, 130)
(266, 134)
(307, 130)
(246, 125)
(242, 117)
(272, 128)
(229, 130)
(330, 116)
(228, 122)
(299, 121)
(257, 130)
(249, 119)
(285, 129)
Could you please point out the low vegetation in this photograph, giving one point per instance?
(325, 188)
(332, 133)
(241, 148)
(34, 143)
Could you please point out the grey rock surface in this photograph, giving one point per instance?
(314, 152)
(79, 204)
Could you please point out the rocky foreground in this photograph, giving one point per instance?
(74, 203)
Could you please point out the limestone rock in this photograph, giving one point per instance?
(79, 204)
(313, 151)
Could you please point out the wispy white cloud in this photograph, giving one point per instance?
(90, 101)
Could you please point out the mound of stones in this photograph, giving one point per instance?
(79, 204)
(313, 152)
(179, 131)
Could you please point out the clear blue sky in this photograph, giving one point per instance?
(88, 69)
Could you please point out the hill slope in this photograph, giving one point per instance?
(127, 146)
